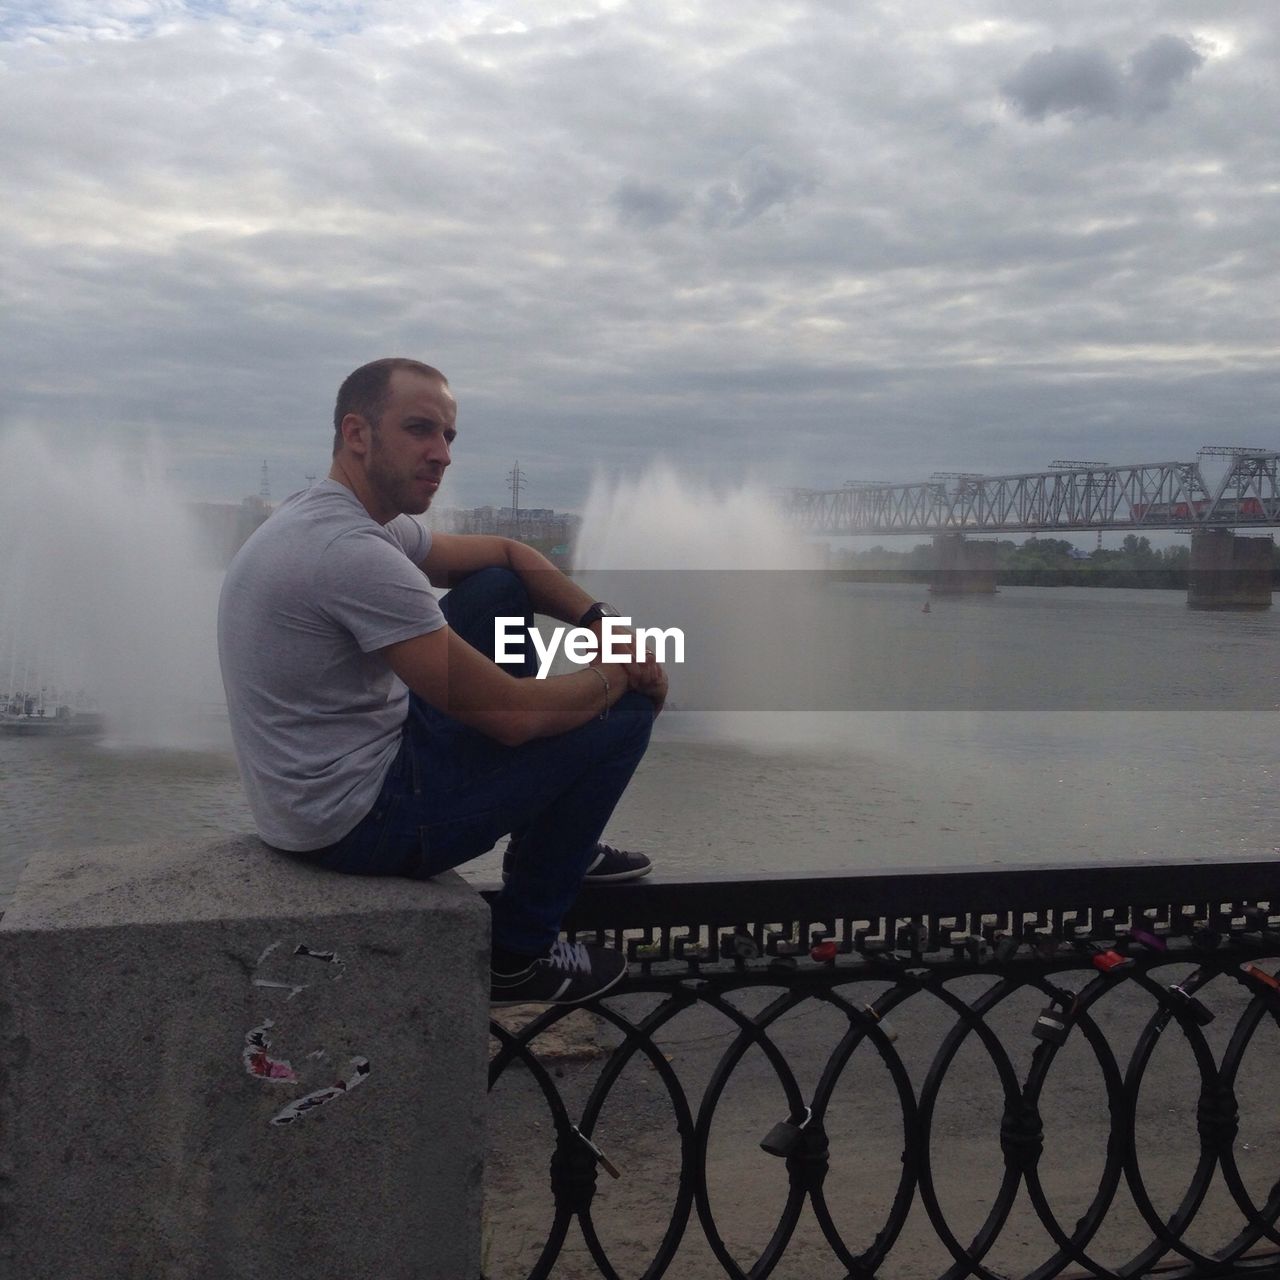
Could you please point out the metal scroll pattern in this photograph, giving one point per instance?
(1134, 1047)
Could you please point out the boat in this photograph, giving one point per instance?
(28, 717)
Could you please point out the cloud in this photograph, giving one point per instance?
(752, 235)
(1157, 69)
(762, 184)
(645, 205)
(1087, 81)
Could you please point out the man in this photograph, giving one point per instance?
(376, 735)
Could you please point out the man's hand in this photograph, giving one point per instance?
(648, 677)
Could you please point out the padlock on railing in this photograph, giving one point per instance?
(1145, 938)
(1187, 1004)
(1006, 946)
(739, 946)
(1259, 975)
(825, 952)
(784, 1138)
(601, 1159)
(885, 1029)
(1052, 1026)
(913, 938)
(1111, 962)
(1046, 945)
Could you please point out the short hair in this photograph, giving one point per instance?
(365, 391)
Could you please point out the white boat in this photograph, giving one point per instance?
(30, 717)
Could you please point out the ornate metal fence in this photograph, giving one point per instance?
(1066, 1070)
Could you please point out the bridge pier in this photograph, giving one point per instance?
(962, 568)
(1228, 571)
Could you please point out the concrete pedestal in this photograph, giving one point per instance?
(1228, 571)
(217, 1063)
(962, 568)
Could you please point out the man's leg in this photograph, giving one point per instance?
(452, 792)
(464, 791)
(470, 609)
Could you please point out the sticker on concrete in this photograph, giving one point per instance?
(258, 1062)
(256, 1055)
(312, 1101)
(306, 952)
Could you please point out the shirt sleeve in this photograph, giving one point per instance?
(414, 538)
(368, 584)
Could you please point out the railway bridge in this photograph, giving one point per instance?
(1228, 569)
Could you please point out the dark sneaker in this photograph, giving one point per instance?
(610, 864)
(570, 973)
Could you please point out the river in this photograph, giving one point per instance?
(1035, 725)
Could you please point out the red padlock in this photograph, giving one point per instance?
(1252, 971)
(824, 952)
(1111, 962)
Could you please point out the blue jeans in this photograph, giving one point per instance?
(452, 792)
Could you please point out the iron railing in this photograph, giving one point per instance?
(1062, 1070)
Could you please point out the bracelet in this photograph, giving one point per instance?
(604, 679)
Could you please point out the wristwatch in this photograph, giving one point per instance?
(596, 612)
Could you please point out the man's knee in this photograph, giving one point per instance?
(632, 721)
(471, 607)
(495, 590)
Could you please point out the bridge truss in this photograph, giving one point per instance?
(1150, 495)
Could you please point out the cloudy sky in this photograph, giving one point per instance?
(802, 241)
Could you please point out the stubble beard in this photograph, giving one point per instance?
(393, 489)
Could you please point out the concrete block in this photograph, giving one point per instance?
(217, 1063)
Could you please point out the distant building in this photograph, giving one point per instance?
(224, 527)
(553, 532)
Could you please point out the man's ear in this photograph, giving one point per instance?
(356, 434)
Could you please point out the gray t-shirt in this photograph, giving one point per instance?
(315, 712)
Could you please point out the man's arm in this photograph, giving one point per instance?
(444, 670)
(453, 556)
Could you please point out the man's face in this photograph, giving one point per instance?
(409, 449)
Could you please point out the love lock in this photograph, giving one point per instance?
(1111, 962)
(885, 1029)
(1007, 946)
(601, 1159)
(785, 1136)
(1251, 970)
(1145, 938)
(1200, 1013)
(1052, 1026)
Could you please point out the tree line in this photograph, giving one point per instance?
(1046, 562)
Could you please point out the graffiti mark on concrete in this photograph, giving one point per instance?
(258, 1062)
(300, 1107)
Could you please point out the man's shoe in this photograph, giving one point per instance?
(609, 865)
(569, 974)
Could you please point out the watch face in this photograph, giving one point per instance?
(597, 611)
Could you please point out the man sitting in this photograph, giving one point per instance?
(374, 731)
